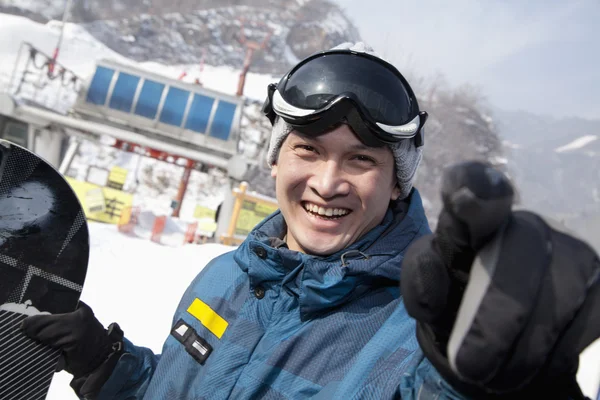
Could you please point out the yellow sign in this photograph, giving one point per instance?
(208, 317)
(94, 199)
(115, 201)
(206, 219)
(251, 214)
(117, 178)
(204, 212)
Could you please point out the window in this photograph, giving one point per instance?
(223, 120)
(149, 99)
(99, 86)
(199, 114)
(123, 92)
(174, 106)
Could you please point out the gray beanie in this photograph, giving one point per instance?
(406, 154)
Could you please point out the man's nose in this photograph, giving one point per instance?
(329, 180)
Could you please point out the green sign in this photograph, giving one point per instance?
(251, 214)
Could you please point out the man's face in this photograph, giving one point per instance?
(332, 189)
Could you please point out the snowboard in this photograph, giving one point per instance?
(44, 250)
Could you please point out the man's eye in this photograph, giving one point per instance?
(305, 147)
(363, 158)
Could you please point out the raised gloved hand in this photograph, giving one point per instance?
(86, 345)
(504, 302)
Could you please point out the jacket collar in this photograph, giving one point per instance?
(324, 282)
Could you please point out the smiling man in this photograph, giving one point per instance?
(343, 293)
(332, 189)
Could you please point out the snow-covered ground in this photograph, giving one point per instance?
(138, 284)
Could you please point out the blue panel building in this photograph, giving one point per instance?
(181, 113)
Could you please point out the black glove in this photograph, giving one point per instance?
(84, 342)
(504, 303)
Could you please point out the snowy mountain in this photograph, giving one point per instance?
(211, 32)
(556, 164)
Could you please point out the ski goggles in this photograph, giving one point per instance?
(344, 86)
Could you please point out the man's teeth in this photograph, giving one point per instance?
(328, 212)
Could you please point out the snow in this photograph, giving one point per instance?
(499, 160)
(48, 8)
(290, 56)
(511, 145)
(222, 79)
(335, 22)
(128, 38)
(577, 143)
(138, 284)
(80, 51)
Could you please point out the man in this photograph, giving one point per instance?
(343, 293)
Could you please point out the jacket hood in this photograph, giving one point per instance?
(323, 282)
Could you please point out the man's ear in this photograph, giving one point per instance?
(395, 192)
(274, 170)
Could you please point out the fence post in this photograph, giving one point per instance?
(128, 219)
(240, 194)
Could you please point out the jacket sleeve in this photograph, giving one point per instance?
(130, 376)
(132, 373)
(124, 376)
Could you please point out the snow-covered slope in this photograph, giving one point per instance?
(556, 163)
(187, 31)
(577, 143)
(80, 51)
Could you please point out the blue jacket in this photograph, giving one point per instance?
(267, 322)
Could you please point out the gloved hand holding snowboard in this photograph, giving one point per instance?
(87, 347)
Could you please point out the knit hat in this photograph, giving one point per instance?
(406, 155)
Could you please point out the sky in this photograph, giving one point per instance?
(541, 56)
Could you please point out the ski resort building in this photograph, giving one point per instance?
(125, 107)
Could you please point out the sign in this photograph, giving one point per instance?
(97, 176)
(249, 209)
(206, 219)
(202, 212)
(251, 214)
(117, 178)
(95, 201)
(115, 201)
